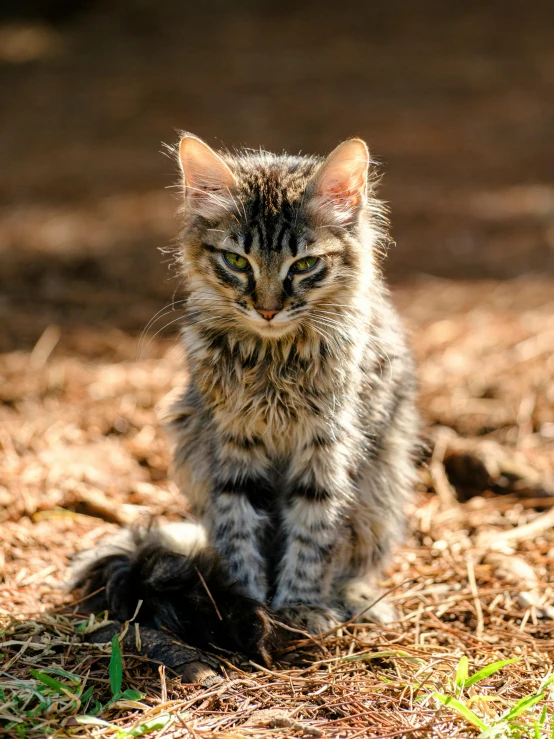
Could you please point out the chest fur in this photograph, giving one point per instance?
(284, 396)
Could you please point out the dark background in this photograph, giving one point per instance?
(456, 100)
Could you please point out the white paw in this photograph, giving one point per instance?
(314, 619)
(357, 598)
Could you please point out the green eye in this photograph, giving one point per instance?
(235, 261)
(304, 265)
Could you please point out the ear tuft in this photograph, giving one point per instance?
(338, 189)
(207, 179)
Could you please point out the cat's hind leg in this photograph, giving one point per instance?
(384, 483)
(355, 592)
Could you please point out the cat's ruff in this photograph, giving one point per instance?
(294, 438)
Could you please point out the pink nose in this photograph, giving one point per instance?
(267, 314)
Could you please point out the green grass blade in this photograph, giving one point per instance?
(51, 682)
(76, 679)
(524, 704)
(42, 706)
(129, 694)
(489, 670)
(132, 695)
(462, 709)
(116, 666)
(462, 672)
(158, 722)
(87, 694)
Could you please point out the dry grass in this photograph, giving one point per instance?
(82, 452)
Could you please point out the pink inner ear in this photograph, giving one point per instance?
(341, 194)
(203, 169)
(207, 178)
(341, 181)
(338, 193)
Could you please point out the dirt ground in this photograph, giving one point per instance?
(457, 101)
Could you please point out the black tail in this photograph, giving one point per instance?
(188, 595)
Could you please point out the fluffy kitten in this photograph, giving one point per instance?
(295, 435)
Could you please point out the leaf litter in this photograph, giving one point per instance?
(472, 651)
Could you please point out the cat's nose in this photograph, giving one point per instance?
(267, 314)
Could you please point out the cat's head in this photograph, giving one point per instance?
(274, 243)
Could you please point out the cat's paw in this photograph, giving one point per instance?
(356, 598)
(251, 630)
(314, 619)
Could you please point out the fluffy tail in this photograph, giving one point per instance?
(187, 592)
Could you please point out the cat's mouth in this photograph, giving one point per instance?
(280, 325)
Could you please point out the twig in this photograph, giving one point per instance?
(210, 596)
(441, 483)
(309, 637)
(475, 593)
(367, 608)
(45, 346)
(524, 532)
(97, 504)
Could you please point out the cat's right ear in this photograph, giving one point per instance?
(338, 190)
(207, 180)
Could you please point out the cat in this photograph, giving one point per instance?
(296, 434)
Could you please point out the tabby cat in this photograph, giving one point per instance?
(295, 435)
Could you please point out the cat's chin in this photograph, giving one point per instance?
(273, 331)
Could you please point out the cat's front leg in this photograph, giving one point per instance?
(237, 527)
(312, 521)
(225, 479)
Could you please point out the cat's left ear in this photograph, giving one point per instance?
(338, 189)
(207, 179)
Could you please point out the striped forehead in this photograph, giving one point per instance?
(271, 222)
(270, 234)
(271, 196)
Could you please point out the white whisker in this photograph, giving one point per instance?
(158, 332)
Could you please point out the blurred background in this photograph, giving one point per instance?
(456, 100)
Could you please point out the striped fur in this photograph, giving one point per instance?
(294, 442)
(294, 438)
